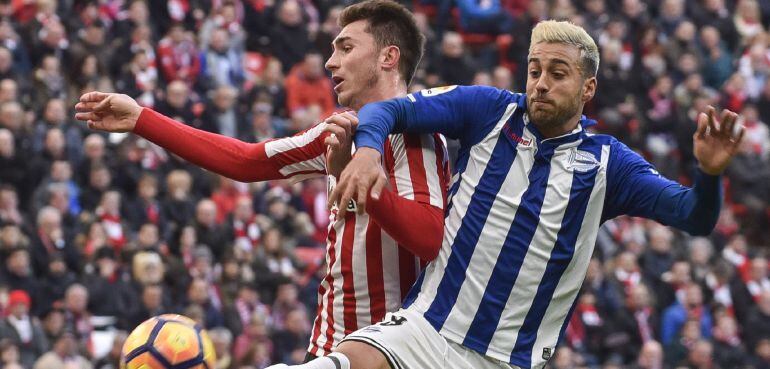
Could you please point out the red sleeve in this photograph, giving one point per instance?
(302, 154)
(416, 226)
(418, 169)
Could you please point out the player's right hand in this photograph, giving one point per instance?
(360, 178)
(339, 143)
(108, 111)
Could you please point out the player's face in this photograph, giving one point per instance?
(556, 88)
(353, 65)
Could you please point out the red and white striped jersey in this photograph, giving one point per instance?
(368, 273)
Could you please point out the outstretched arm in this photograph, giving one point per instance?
(635, 188)
(300, 155)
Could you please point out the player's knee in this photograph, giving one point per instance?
(362, 356)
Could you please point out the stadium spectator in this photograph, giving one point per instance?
(178, 56)
(289, 39)
(453, 66)
(307, 85)
(221, 114)
(662, 63)
(222, 339)
(222, 60)
(22, 329)
(63, 355)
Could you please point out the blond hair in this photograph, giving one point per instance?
(551, 31)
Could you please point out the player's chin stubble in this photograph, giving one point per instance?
(361, 98)
(555, 118)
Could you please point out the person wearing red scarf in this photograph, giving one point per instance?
(22, 329)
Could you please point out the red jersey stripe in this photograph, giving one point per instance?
(348, 284)
(413, 147)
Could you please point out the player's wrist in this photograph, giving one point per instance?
(368, 152)
(709, 170)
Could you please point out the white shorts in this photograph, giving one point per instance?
(408, 341)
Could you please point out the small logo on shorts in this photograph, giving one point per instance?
(394, 320)
(547, 353)
(372, 329)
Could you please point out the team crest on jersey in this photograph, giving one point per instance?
(437, 90)
(582, 161)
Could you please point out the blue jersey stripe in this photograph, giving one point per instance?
(511, 257)
(462, 163)
(468, 235)
(561, 255)
(415, 290)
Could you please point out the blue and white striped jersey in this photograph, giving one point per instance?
(523, 216)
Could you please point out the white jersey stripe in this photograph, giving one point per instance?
(275, 147)
(572, 279)
(401, 167)
(317, 163)
(429, 160)
(359, 272)
(390, 270)
(337, 305)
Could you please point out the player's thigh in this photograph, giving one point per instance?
(463, 357)
(362, 355)
(407, 341)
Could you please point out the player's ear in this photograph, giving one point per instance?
(589, 89)
(390, 56)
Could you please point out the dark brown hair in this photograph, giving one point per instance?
(391, 24)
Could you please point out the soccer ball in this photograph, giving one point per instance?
(168, 341)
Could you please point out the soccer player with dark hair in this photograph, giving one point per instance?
(373, 259)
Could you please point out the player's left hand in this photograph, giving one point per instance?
(339, 144)
(715, 142)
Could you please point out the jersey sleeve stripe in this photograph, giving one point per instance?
(314, 164)
(303, 139)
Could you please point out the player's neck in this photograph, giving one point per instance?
(556, 131)
(386, 89)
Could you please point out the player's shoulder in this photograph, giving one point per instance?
(603, 139)
(621, 156)
(416, 139)
(469, 93)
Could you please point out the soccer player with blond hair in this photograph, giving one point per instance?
(531, 188)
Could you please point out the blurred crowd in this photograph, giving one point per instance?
(99, 232)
